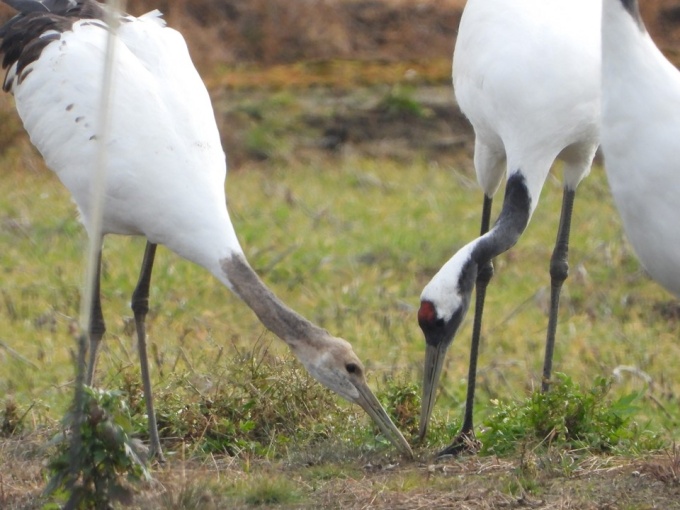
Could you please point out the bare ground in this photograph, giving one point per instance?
(554, 481)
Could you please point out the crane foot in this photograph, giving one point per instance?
(465, 443)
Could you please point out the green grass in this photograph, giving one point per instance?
(349, 241)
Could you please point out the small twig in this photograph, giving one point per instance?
(18, 356)
(217, 468)
(661, 407)
(277, 258)
(21, 419)
(183, 355)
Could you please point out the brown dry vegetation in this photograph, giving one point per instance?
(277, 31)
(593, 483)
(284, 31)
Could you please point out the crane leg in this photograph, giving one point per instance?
(140, 308)
(559, 270)
(465, 440)
(97, 325)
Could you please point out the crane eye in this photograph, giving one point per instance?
(352, 368)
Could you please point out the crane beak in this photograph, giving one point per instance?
(368, 401)
(434, 361)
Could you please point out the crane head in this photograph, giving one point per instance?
(333, 363)
(443, 305)
(330, 360)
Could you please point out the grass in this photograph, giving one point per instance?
(348, 241)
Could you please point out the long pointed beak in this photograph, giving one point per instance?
(434, 361)
(368, 401)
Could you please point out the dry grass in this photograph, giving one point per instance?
(270, 32)
(281, 31)
(595, 483)
(21, 478)
(338, 74)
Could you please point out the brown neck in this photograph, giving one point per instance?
(287, 324)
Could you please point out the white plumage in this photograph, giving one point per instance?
(165, 167)
(526, 74)
(165, 147)
(640, 139)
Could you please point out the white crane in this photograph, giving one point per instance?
(526, 74)
(165, 168)
(640, 133)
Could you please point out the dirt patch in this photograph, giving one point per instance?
(563, 481)
(320, 122)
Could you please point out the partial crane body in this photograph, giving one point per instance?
(165, 168)
(526, 75)
(640, 133)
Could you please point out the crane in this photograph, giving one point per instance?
(165, 169)
(640, 129)
(526, 75)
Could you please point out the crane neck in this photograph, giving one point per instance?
(281, 320)
(512, 221)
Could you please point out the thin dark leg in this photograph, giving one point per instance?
(140, 307)
(96, 330)
(559, 270)
(465, 440)
(97, 326)
(75, 462)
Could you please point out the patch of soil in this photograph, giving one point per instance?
(323, 122)
(470, 483)
(434, 127)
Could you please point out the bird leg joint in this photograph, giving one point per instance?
(559, 267)
(140, 304)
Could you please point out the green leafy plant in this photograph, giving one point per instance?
(400, 100)
(402, 401)
(108, 458)
(566, 415)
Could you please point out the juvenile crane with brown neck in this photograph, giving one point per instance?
(165, 168)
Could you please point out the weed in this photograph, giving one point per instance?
(109, 457)
(400, 100)
(665, 469)
(11, 419)
(567, 416)
(268, 490)
(190, 496)
(402, 400)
